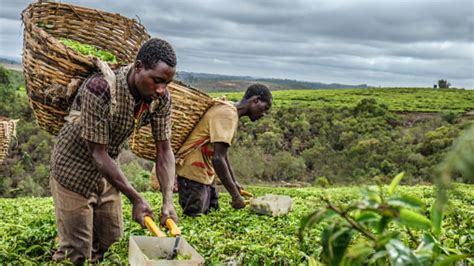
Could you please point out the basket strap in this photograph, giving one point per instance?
(221, 100)
(111, 79)
(179, 157)
(73, 117)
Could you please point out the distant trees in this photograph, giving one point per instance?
(443, 84)
(318, 145)
(4, 76)
(344, 145)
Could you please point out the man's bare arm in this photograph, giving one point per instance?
(165, 171)
(232, 173)
(222, 170)
(112, 173)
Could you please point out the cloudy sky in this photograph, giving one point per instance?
(376, 42)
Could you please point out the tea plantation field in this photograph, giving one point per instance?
(397, 99)
(27, 227)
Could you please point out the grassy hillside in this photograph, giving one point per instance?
(304, 142)
(28, 230)
(214, 82)
(396, 99)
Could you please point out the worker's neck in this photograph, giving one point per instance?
(242, 107)
(131, 85)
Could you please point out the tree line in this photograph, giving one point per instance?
(293, 145)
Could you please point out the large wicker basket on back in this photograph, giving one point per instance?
(189, 104)
(7, 132)
(53, 72)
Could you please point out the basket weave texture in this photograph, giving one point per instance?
(53, 72)
(189, 105)
(7, 132)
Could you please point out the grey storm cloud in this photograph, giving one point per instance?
(388, 43)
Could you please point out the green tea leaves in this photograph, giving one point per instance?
(395, 183)
(86, 49)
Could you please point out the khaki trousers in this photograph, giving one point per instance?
(86, 226)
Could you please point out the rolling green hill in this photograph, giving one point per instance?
(214, 82)
(396, 99)
(304, 139)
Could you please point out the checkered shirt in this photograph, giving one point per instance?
(71, 163)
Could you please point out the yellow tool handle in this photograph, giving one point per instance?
(247, 202)
(152, 227)
(174, 229)
(245, 193)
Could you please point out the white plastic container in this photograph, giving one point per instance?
(147, 250)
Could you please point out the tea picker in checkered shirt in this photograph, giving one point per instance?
(85, 181)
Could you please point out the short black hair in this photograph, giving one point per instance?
(261, 91)
(154, 51)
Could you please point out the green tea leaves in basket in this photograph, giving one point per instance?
(86, 49)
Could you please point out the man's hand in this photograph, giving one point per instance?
(238, 202)
(222, 170)
(165, 170)
(109, 169)
(168, 211)
(175, 185)
(140, 209)
(239, 186)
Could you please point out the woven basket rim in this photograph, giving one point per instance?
(50, 114)
(201, 92)
(69, 51)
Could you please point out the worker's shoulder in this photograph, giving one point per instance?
(97, 85)
(222, 109)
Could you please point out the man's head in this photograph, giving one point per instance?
(259, 100)
(154, 68)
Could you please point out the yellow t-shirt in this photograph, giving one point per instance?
(219, 124)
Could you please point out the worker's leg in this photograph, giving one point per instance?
(108, 222)
(74, 215)
(214, 198)
(193, 197)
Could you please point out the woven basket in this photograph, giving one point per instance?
(189, 105)
(52, 71)
(7, 132)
